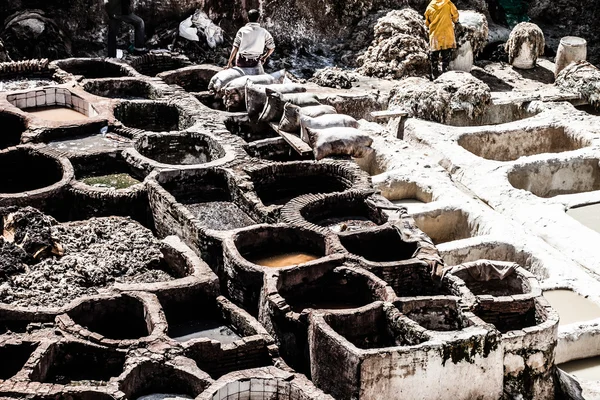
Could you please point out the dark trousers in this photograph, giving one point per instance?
(446, 55)
(113, 27)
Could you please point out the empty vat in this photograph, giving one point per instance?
(13, 357)
(435, 314)
(444, 226)
(94, 68)
(510, 145)
(12, 128)
(29, 170)
(384, 245)
(67, 362)
(494, 114)
(116, 318)
(557, 177)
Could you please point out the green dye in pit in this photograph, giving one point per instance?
(112, 181)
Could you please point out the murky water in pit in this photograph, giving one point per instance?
(572, 307)
(112, 181)
(220, 215)
(97, 142)
(588, 216)
(205, 328)
(57, 114)
(587, 369)
(284, 260)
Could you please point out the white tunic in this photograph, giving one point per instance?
(252, 39)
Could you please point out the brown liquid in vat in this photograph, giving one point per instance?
(587, 216)
(572, 307)
(57, 114)
(284, 260)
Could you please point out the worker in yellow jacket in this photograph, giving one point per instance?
(440, 17)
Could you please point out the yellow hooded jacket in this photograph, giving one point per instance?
(440, 17)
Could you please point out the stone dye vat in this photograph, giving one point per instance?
(510, 145)
(114, 318)
(277, 184)
(494, 114)
(572, 307)
(377, 341)
(123, 88)
(151, 116)
(92, 68)
(179, 149)
(14, 356)
(556, 177)
(53, 104)
(340, 213)
(12, 127)
(208, 196)
(290, 296)
(155, 380)
(447, 225)
(152, 64)
(194, 78)
(247, 246)
(87, 363)
(41, 171)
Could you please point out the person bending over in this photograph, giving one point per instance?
(122, 11)
(440, 17)
(250, 43)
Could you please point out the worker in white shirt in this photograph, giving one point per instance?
(250, 43)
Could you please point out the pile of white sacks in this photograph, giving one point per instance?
(268, 98)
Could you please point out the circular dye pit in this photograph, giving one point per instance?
(277, 184)
(106, 172)
(342, 213)
(151, 116)
(279, 247)
(93, 68)
(25, 170)
(380, 246)
(188, 149)
(12, 128)
(125, 88)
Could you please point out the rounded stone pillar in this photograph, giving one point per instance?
(571, 49)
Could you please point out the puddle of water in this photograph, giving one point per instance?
(588, 216)
(284, 260)
(96, 142)
(572, 307)
(206, 328)
(164, 396)
(410, 204)
(587, 369)
(220, 215)
(57, 114)
(112, 181)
